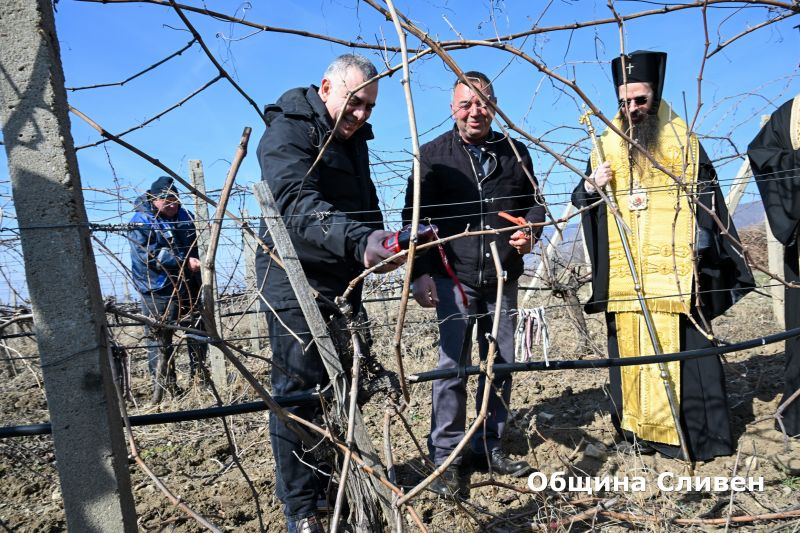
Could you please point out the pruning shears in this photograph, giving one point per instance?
(518, 221)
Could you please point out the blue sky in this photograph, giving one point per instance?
(109, 42)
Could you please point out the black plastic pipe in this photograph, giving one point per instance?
(508, 368)
(176, 416)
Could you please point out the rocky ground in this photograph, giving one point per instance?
(560, 423)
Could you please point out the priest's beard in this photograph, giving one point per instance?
(646, 135)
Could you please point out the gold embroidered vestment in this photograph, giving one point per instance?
(662, 244)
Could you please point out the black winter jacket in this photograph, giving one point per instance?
(331, 212)
(456, 196)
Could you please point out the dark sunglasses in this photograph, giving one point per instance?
(639, 100)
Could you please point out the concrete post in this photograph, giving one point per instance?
(127, 293)
(14, 328)
(741, 180)
(215, 356)
(9, 356)
(775, 253)
(740, 183)
(547, 256)
(256, 318)
(62, 277)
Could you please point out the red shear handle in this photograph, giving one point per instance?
(400, 240)
(518, 221)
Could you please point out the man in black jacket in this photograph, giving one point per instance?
(330, 208)
(468, 175)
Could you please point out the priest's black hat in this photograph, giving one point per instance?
(642, 67)
(163, 187)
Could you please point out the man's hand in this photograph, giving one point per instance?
(375, 252)
(194, 264)
(424, 290)
(522, 241)
(601, 176)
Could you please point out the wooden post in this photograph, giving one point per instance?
(215, 357)
(256, 318)
(324, 343)
(69, 319)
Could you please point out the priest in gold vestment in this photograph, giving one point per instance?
(688, 271)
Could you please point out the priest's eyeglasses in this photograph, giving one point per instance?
(638, 100)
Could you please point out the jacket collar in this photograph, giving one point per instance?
(492, 137)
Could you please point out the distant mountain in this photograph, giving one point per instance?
(749, 214)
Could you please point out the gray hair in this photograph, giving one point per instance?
(480, 78)
(338, 68)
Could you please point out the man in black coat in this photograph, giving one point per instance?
(467, 176)
(681, 257)
(330, 208)
(775, 160)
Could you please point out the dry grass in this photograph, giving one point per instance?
(555, 416)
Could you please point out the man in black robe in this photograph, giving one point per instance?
(680, 256)
(775, 160)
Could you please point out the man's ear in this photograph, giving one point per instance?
(325, 89)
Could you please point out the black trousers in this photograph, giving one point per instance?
(298, 484)
(704, 413)
(172, 309)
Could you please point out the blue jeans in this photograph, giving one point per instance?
(160, 348)
(449, 415)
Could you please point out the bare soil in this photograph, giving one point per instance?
(556, 415)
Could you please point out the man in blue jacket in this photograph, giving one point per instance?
(330, 208)
(166, 272)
